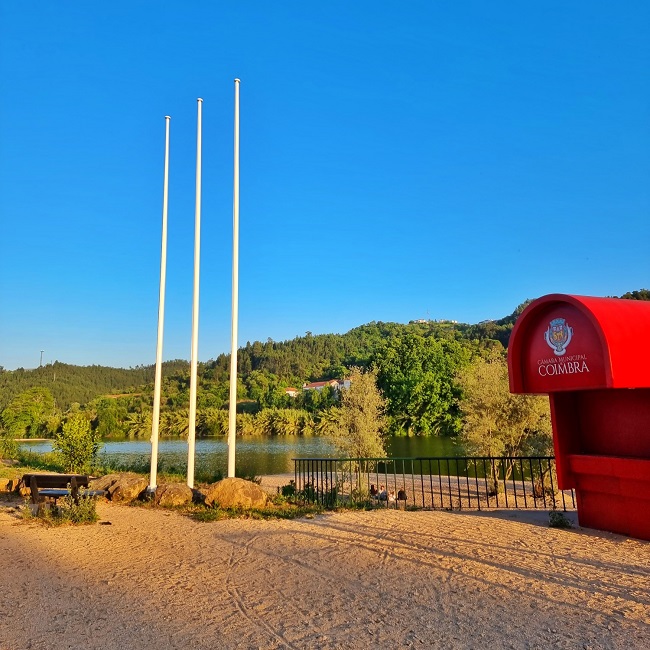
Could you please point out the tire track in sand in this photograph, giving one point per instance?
(235, 594)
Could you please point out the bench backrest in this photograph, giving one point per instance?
(55, 480)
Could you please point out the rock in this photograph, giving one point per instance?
(15, 484)
(235, 492)
(128, 487)
(173, 494)
(105, 482)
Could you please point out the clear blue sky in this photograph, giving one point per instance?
(399, 160)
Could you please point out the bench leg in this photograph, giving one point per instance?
(74, 490)
(33, 489)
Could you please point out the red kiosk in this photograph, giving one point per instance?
(592, 357)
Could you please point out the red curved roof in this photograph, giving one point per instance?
(609, 346)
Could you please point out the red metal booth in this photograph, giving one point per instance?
(592, 357)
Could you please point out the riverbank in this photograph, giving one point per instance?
(151, 578)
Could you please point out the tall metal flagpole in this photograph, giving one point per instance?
(195, 307)
(155, 419)
(232, 412)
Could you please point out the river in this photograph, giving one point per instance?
(254, 455)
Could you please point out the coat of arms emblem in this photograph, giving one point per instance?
(558, 335)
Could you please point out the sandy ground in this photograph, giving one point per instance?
(382, 579)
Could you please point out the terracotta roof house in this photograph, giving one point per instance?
(336, 384)
(319, 385)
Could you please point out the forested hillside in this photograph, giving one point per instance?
(416, 367)
(261, 365)
(78, 384)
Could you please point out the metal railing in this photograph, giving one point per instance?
(438, 483)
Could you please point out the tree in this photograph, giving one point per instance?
(356, 426)
(77, 444)
(496, 422)
(314, 400)
(643, 294)
(110, 418)
(416, 374)
(210, 422)
(28, 413)
(139, 424)
(174, 423)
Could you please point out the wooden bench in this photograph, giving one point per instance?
(53, 486)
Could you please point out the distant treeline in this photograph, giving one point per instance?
(263, 366)
(416, 362)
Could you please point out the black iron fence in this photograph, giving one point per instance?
(465, 482)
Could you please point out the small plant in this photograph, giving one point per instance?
(26, 511)
(81, 511)
(325, 497)
(308, 493)
(557, 519)
(66, 511)
(360, 499)
(289, 490)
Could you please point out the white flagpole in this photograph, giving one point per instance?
(232, 412)
(155, 419)
(195, 307)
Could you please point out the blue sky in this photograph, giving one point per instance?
(398, 161)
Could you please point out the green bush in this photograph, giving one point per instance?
(66, 511)
(289, 490)
(8, 445)
(558, 519)
(83, 511)
(76, 443)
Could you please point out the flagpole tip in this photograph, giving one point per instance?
(199, 100)
(237, 80)
(168, 117)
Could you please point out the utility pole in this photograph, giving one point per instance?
(41, 362)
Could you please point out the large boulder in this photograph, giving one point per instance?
(235, 493)
(173, 494)
(128, 487)
(104, 482)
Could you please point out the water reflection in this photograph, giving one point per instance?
(255, 455)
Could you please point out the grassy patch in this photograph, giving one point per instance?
(46, 462)
(280, 510)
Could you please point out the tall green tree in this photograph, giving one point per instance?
(417, 377)
(357, 425)
(110, 417)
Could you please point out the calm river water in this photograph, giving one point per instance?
(255, 455)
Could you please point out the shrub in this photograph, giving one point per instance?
(557, 519)
(66, 511)
(76, 443)
(8, 445)
(83, 511)
(289, 490)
